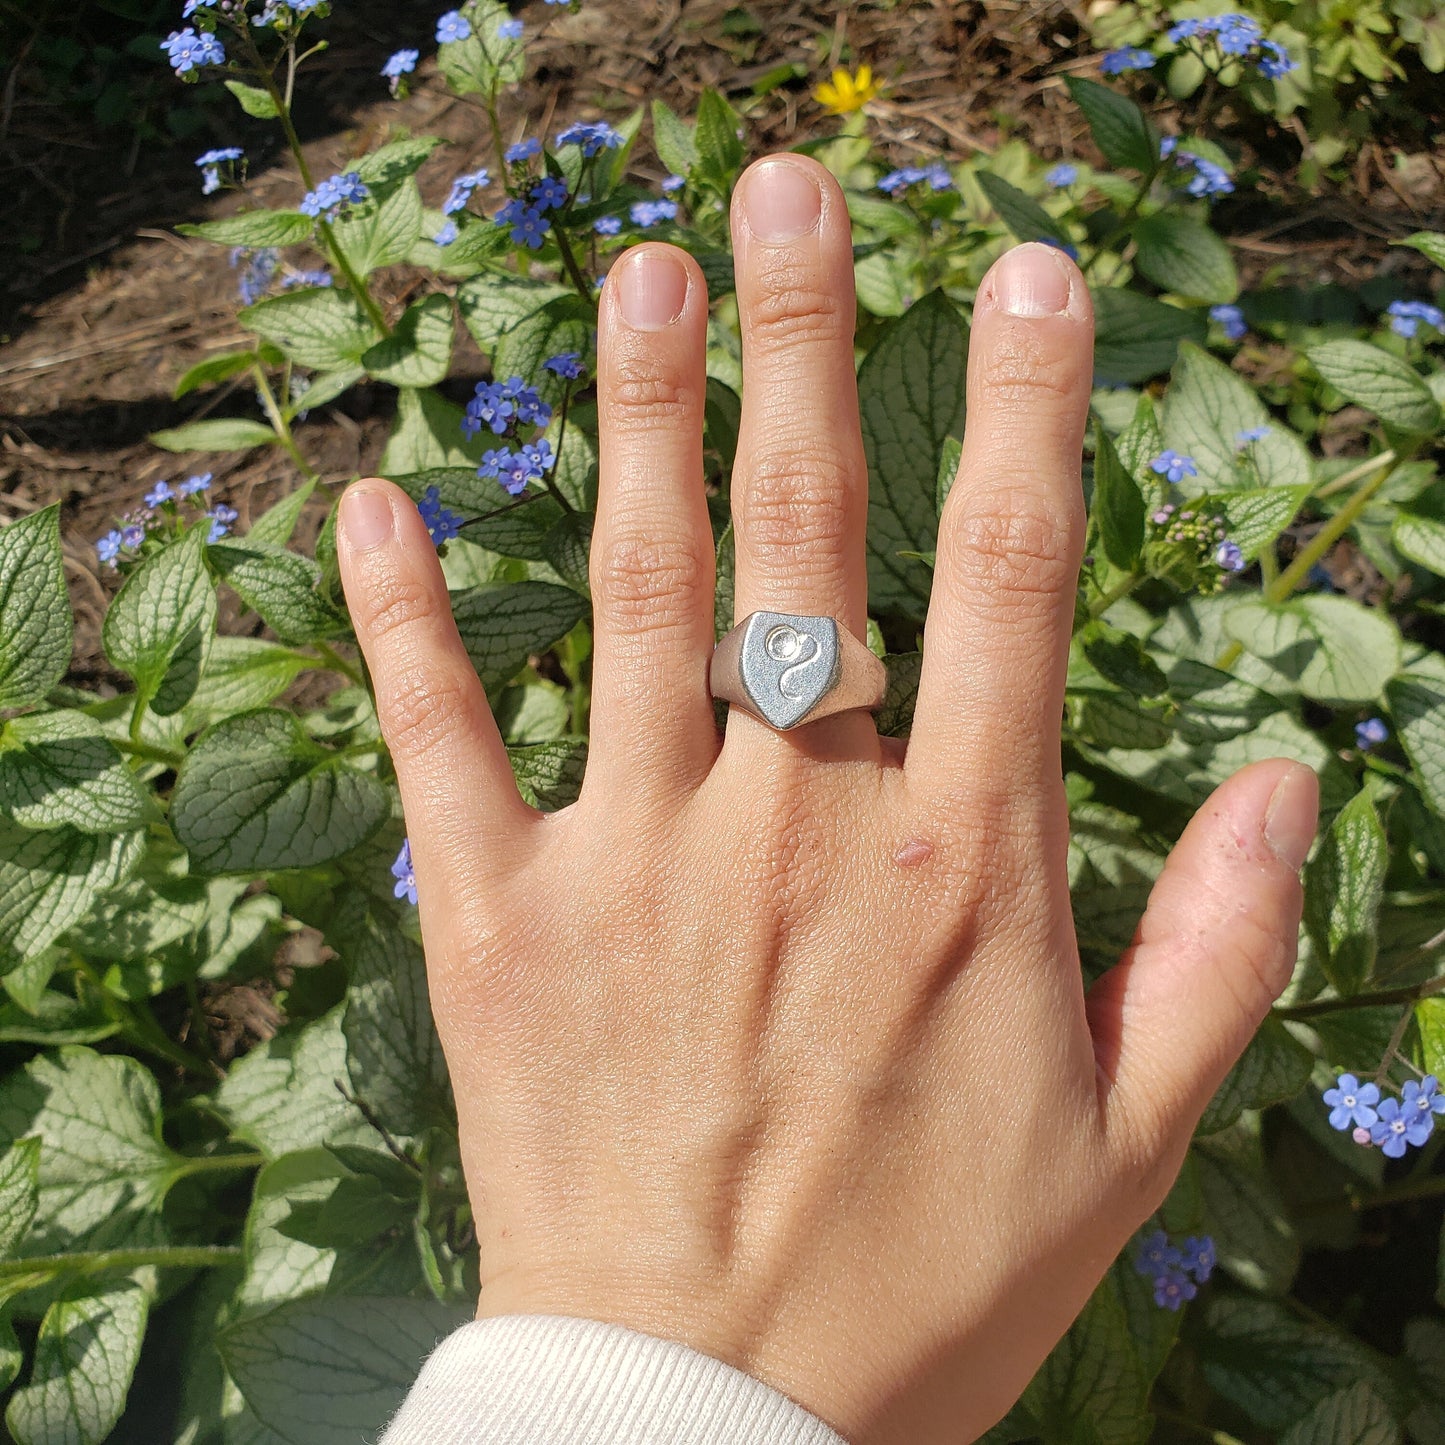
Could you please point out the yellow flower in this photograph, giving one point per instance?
(846, 93)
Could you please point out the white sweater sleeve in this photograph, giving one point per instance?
(549, 1380)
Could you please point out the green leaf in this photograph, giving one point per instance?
(325, 329)
(1020, 213)
(1381, 383)
(485, 61)
(950, 455)
(381, 234)
(1417, 704)
(1428, 243)
(286, 1094)
(324, 387)
(19, 1192)
(1118, 509)
(719, 151)
(1121, 658)
(427, 434)
(103, 1171)
(212, 370)
(565, 324)
(85, 1355)
(254, 229)
(1274, 1067)
(492, 305)
(1421, 539)
(161, 623)
(392, 1050)
(910, 398)
(1243, 1211)
(59, 770)
(254, 101)
(1182, 255)
(284, 587)
(1205, 409)
(35, 619)
(549, 775)
(49, 879)
(895, 717)
(220, 434)
(278, 522)
(1138, 337)
(1355, 1415)
(1093, 1373)
(568, 546)
(1331, 649)
(419, 351)
(332, 1370)
(1344, 884)
(672, 138)
(1118, 125)
(502, 624)
(1274, 1366)
(241, 673)
(390, 164)
(1256, 517)
(256, 794)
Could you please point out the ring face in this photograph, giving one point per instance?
(788, 664)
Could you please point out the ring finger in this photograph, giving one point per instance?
(800, 485)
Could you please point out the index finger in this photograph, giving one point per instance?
(1009, 541)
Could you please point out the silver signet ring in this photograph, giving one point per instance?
(787, 669)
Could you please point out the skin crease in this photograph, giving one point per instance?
(777, 1044)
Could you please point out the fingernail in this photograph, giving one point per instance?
(781, 201)
(366, 518)
(652, 289)
(1032, 280)
(1292, 816)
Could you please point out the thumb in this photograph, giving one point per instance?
(1215, 948)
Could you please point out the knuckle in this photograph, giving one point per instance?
(1012, 550)
(643, 397)
(794, 306)
(398, 604)
(642, 582)
(1020, 367)
(798, 508)
(420, 707)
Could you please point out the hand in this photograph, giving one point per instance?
(777, 1044)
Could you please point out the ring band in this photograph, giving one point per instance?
(788, 669)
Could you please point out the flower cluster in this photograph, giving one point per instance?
(593, 136)
(404, 873)
(1391, 1124)
(188, 50)
(1177, 1270)
(211, 164)
(1370, 734)
(649, 213)
(441, 522)
(1406, 316)
(1231, 318)
(334, 195)
(1209, 178)
(935, 174)
(504, 405)
(1212, 37)
(159, 507)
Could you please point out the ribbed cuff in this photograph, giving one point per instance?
(551, 1380)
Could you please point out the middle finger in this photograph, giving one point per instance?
(800, 485)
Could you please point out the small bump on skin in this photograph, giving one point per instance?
(912, 853)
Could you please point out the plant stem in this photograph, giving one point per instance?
(293, 140)
(334, 660)
(1121, 589)
(1379, 999)
(1406, 1191)
(97, 1261)
(189, 1167)
(149, 753)
(1283, 586)
(279, 424)
(1196, 1427)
